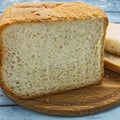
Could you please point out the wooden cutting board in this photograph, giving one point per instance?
(83, 101)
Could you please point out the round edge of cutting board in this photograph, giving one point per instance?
(78, 102)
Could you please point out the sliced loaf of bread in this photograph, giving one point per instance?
(51, 47)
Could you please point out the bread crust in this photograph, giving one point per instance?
(110, 63)
(48, 12)
(51, 11)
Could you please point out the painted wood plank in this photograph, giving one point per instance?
(19, 113)
(5, 3)
(114, 17)
(107, 5)
(4, 100)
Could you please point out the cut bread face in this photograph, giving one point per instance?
(112, 43)
(49, 57)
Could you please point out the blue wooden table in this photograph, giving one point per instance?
(11, 111)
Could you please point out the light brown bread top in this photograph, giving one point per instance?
(50, 11)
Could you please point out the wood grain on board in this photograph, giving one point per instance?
(82, 101)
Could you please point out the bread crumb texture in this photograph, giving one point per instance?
(44, 57)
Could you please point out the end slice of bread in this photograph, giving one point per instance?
(48, 54)
(112, 43)
(112, 47)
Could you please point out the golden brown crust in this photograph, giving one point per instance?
(110, 63)
(103, 47)
(47, 12)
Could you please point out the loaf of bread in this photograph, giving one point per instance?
(112, 47)
(51, 47)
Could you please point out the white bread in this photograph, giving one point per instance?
(51, 47)
(112, 47)
(112, 62)
(112, 43)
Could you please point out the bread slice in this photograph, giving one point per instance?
(112, 62)
(112, 47)
(51, 47)
(112, 43)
